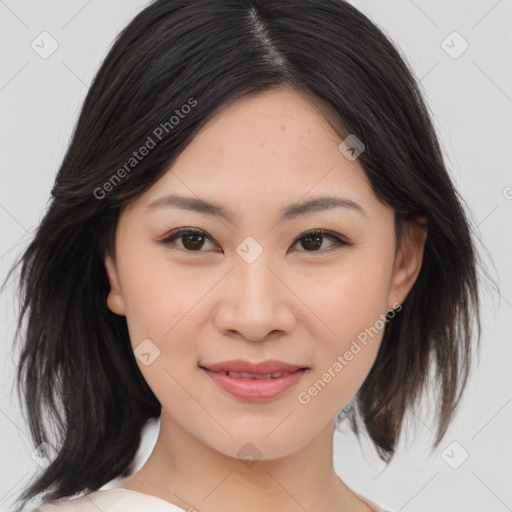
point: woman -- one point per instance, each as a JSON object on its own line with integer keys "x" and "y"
{"x": 252, "y": 236}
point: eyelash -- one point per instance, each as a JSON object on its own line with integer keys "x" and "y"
{"x": 338, "y": 241}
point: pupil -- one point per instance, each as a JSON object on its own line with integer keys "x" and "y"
{"x": 317, "y": 238}
{"x": 195, "y": 244}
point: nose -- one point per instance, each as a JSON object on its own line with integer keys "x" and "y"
{"x": 256, "y": 303}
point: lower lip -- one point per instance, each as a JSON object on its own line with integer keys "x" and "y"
{"x": 255, "y": 389}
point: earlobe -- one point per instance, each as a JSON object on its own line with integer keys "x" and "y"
{"x": 408, "y": 260}
{"x": 115, "y": 300}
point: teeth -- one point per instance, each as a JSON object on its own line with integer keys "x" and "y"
{"x": 253, "y": 376}
{"x": 238, "y": 375}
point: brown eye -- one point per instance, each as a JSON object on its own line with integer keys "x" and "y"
{"x": 195, "y": 240}
{"x": 191, "y": 240}
{"x": 313, "y": 241}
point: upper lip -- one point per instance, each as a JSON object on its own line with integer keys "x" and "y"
{"x": 262, "y": 368}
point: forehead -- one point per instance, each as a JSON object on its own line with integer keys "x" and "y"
{"x": 271, "y": 148}
{"x": 268, "y": 119}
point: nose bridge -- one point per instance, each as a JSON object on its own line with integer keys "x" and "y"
{"x": 255, "y": 302}
{"x": 255, "y": 285}
{"x": 252, "y": 268}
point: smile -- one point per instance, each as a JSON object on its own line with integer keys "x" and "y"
{"x": 238, "y": 375}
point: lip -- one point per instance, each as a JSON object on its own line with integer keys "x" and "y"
{"x": 240, "y": 366}
{"x": 255, "y": 389}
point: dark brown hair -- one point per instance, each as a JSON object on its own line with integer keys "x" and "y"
{"x": 77, "y": 373}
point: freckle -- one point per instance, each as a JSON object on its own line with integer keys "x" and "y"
{"x": 283, "y": 128}
{"x": 261, "y": 144}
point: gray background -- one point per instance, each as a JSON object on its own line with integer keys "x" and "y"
{"x": 470, "y": 97}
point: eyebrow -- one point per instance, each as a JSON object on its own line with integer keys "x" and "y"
{"x": 288, "y": 213}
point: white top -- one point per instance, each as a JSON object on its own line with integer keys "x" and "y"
{"x": 112, "y": 500}
{"x": 126, "y": 500}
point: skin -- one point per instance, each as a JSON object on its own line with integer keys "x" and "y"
{"x": 297, "y": 303}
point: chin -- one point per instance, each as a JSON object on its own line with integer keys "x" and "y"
{"x": 258, "y": 446}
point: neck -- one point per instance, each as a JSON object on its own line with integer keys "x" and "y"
{"x": 192, "y": 475}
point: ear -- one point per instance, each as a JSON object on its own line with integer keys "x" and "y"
{"x": 115, "y": 300}
{"x": 408, "y": 260}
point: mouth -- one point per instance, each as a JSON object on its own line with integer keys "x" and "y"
{"x": 258, "y": 376}
{"x": 254, "y": 382}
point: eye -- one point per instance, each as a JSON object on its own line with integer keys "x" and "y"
{"x": 193, "y": 240}
{"x": 314, "y": 240}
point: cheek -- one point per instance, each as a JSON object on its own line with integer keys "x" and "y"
{"x": 345, "y": 352}
{"x": 351, "y": 305}
{"x": 164, "y": 310}
{"x": 353, "y": 297}
{"x": 159, "y": 296}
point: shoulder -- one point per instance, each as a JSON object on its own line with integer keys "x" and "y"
{"x": 111, "y": 500}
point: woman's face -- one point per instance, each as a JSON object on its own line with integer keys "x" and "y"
{"x": 250, "y": 284}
